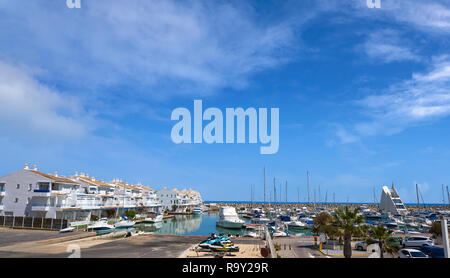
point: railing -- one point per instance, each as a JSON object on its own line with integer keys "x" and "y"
{"x": 42, "y": 190}
{"x": 33, "y": 222}
{"x": 41, "y": 205}
{"x": 269, "y": 244}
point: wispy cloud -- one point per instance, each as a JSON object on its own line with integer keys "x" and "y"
{"x": 387, "y": 46}
{"x": 429, "y": 15}
{"x": 163, "y": 47}
{"x": 423, "y": 98}
{"x": 31, "y": 111}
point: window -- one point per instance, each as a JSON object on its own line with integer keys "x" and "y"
{"x": 16, "y": 200}
{"x": 30, "y": 186}
{"x": 418, "y": 255}
{"x": 18, "y": 186}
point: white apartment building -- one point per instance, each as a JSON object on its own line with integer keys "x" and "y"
{"x": 183, "y": 199}
{"x": 29, "y": 192}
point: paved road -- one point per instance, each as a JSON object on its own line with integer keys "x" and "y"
{"x": 144, "y": 246}
{"x": 297, "y": 247}
{"x": 9, "y": 236}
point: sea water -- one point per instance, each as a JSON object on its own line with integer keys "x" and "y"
{"x": 199, "y": 225}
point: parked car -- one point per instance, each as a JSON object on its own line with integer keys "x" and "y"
{"x": 362, "y": 245}
{"x": 417, "y": 241}
{"x": 433, "y": 251}
{"x": 411, "y": 253}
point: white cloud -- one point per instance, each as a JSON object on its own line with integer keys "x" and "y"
{"x": 430, "y": 15}
{"x": 423, "y": 98}
{"x": 30, "y": 111}
{"x": 177, "y": 46}
{"x": 387, "y": 46}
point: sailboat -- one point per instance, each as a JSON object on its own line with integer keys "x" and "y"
{"x": 125, "y": 222}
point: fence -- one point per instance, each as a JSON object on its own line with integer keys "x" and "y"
{"x": 33, "y": 222}
{"x": 269, "y": 244}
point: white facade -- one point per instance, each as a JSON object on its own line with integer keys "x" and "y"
{"x": 29, "y": 192}
{"x": 390, "y": 201}
{"x": 32, "y": 193}
{"x": 183, "y": 200}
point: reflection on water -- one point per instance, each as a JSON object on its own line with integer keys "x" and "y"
{"x": 300, "y": 232}
{"x": 201, "y": 225}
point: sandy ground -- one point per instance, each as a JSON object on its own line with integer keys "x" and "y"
{"x": 47, "y": 244}
{"x": 245, "y": 251}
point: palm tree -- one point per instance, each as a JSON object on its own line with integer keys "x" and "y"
{"x": 347, "y": 222}
{"x": 383, "y": 235}
{"x": 321, "y": 223}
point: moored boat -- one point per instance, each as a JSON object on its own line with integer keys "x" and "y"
{"x": 228, "y": 218}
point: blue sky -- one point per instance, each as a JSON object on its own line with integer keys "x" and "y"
{"x": 363, "y": 93}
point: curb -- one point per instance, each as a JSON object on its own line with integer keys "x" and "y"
{"x": 363, "y": 254}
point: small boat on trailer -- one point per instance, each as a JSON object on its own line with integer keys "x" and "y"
{"x": 67, "y": 230}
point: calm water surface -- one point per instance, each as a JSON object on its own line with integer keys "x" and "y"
{"x": 199, "y": 225}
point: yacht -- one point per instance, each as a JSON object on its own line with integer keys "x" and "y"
{"x": 228, "y": 218}
{"x": 297, "y": 225}
{"x": 124, "y": 224}
{"x": 156, "y": 219}
{"x": 198, "y": 210}
{"x": 100, "y": 226}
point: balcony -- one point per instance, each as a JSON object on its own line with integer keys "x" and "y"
{"x": 42, "y": 192}
{"x": 40, "y": 207}
{"x": 2, "y": 207}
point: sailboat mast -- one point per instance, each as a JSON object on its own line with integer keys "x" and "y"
{"x": 264, "y": 185}
{"x": 285, "y": 193}
{"x": 320, "y": 196}
{"x": 307, "y": 184}
{"x": 274, "y": 191}
{"x": 251, "y": 196}
{"x": 448, "y": 197}
{"x": 417, "y": 193}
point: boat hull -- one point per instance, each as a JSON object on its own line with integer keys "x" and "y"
{"x": 229, "y": 224}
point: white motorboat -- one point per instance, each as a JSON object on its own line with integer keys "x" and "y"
{"x": 228, "y": 218}
{"x": 297, "y": 225}
{"x": 198, "y": 210}
{"x": 279, "y": 234}
{"x": 251, "y": 234}
{"x": 124, "y": 224}
{"x": 100, "y": 226}
{"x": 156, "y": 219}
{"x": 260, "y": 220}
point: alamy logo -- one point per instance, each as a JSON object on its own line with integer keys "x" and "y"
{"x": 374, "y": 4}
{"x": 213, "y": 131}
{"x": 73, "y": 4}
